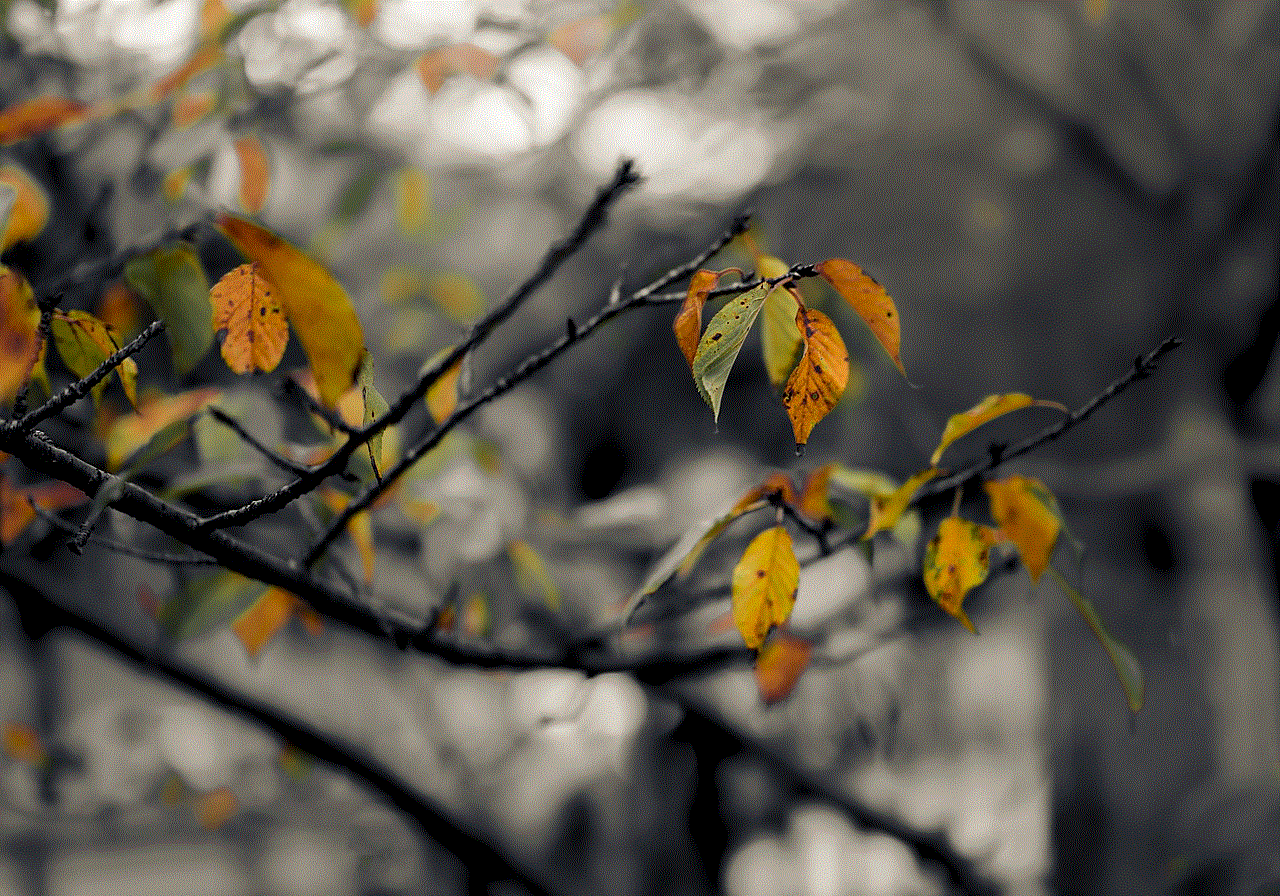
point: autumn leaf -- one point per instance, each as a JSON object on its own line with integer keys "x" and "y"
{"x": 442, "y": 396}
{"x": 318, "y": 308}
{"x": 119, "y": 308}
{"x": 359, "y": 527}
{"x": 885, "y": 509}
{"x": 30, "y": 210}
{"x": 413, "y": 200}
{"x": 249, "y": 319}
{"x": 780, "y": 664}
{"x": 174, "y": 185}
{"x": 1026, "y": 513}
{"x": 84, "y": 343}
{"x": 780, "y": 339}
{"x": 1122, "y": 659}
{"x": 255, "y": 173}
{"x": 16, "y": 512}
{"x": 814, "y": 500}
{"x": 819, "y": 378}
{"x": 19, "y": 322}
{"x": 215, "y": 809}
{"x": 955, "y": 562}
{"x": 31, "y": 117}
{"x": 869, "y": 300}
{"x": 435, "y": 66}
{"x": 764, "y": 585}
{"x": 258, "y": 624}
{"x": 21, "y": 742}
{"x": 688, "y": 322}
{"x": 985, "y": 411}
{"x": 172, "y": 281}
{"x": 206, "y": 602}
{"x": 192, "y": 107}
{"x": 375, "y": 406}
{"x": 720, "y": 344}
{"x": 201, "y": 60}
{"x": 531, "y": 575}
{"x": 129, "y": 432}
{"x": 456, "y": 295}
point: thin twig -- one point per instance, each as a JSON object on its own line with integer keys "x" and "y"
{"x": 121, "y": 547}
{"x": 291, "y": 466}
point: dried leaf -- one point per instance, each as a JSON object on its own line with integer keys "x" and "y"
{"x": 172, "y": 281}
{"x": 885, "y": 509}
{"x": 1026, "y": 513}
{"x": 84, "y": 343}
{"x": 30, "y": 211}
{"x": 779, "y": 666}
{"x": 257, "y": 625}
{"x": 129, "y": 432}
{"x": 955, "y": 562}
{"x": 819, "y": 378}
{"x": 31, "y": 117}
{"x": 720, "y": 344}
{"x": 249, "y": 319}
{"x": 764, "y": 585}
{"x": 869, "y": 300}
{"x": 688, "y": 322}
{"x": 255, "y": 173}
{"x": 1122, "y": 659}
{"x": 318, "y": 308}
{"x": 19, "y": 322}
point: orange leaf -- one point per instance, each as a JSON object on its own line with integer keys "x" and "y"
{"x": 780, "y": 664}
{"x": 985, "y": 411}
{"x": 362, "y": 11}
{"x": 442, "y": 397}
{"x": 32, "y": 117}
{"x": 23, "y": 744}
{"x": 688, "y": 322}
{"x": 118, "y": 309}
{"x": 1026, "y": 513}
{"x": 955, "y": 562}
{"x": 868, "y": 298}
{"x": 192, "y": 107}
{"x": 255, "y": 173}
{"x": 764, "y": 585}
{"x": 215, "y": 808}
{"x": 318, "y": 308}
{"x": 199, "y": 61}
{"x": 30, "y": 212}
{"x": 815, "y": 496}
{"x": 435, "y": 66}
{"x": 19, "y": 321}
{"x": 129, "y": 432}
{"x": 819, "y": 379}
{"x": 16, "y": 512}
{"x": 885, "y": 509}
{"x": 582, "y": 39}
{"x": 267, "y": 615}
{"x": 248, "y": 320}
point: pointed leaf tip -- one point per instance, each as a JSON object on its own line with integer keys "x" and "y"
{"x": 869, "y": 299}
{"x": 779, "y": 666}
{"x": 720, "y": 344}
{"x": 688, "y": 322}
{"x": 764, "y": 585}
{"x": 820, "y": 377}
{"x": 955, "y": 562}
{"x": 1027, "y": 514}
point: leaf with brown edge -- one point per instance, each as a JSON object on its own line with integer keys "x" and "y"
{"x": 19, "y": 323}
{"x": 955, "y": 562}
{"x": 129, "y": 432}
{"x": 31, "y": 117}
{"x": 985, "y": 411}
{"x": 258, "y": 624}
{"x": 780, "y": 664}
{"x": 819, "y": 378}
{"x": 869, "y": 299}
{"x": 255, "y": 173}
{"x": 30, "y": 210}
{"x": 886, "y": 509}
{"x": 764, "y": 585}
{"x": 84, "y": 343}
{"x": 249, "y": 320}
{"x": 318, "y": 308}
{"x": 688, "y": 322}
{"x": 1026, "y": 513}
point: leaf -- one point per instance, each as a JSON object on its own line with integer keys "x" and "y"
{"x": 1025, "y": 511}
{"x": 532, "y": 577}
{"x": 16, "y": 512}
{"x": 780, "y": 339}
{"x": 318, "y": 308}
{"x": 720, "y": 344}
{"x": 764, "y": 585}
{"x": 255, "y": 173}
{"x": 885, "y": 509}
{"x": 191, "y": 108}
{"x": 375, "y": 406}
{"x": 363, "y": 12}
{"x": 120, "y": 308}
{"x": 215, "y": 809}
{"x": 869, "y": 300}
{"x": 201, "y": 60}
{"x": 819, "y": 378}
{"x": 31, "y": 117}
{"x": 457, "y": 296}
{"x": 988, "y": 409}
{"x": 815, "y": 495}
{"x": 688, "y": 322}
{"x": 955, "y": 562}
{"x": 207, "y": 602}
{"x": 413, "y": 200}
{"x": 434, "y": 66}
{"x": 30, "y": 210}
{"x": 258, "y": 624}
{"x": 129, "y": 432}
{"x": 84, "y": 343}
{"x": 771, "y": 268}
{"x": 359, "y": 527}
{"x": 173, "y": 283}
{"x": 21, "y": 742}
{"x": 1122, "y": 659}
{"x": 779, "y": 666}
{"x": 442, "y": 397}
{"x": 249, "y": 320}
{"x": 19, "y": 339}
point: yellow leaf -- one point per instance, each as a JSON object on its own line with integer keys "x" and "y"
{"x": 688, "y": 322}
{"x": 84, "y": 342}
{"x": 362, "y": 11}
{"x": 455, "y": 295}
{"x": 885, "y": 509}
{"x": 869, "y": 300}
{"x": 318, "y": 308}
{"x": 442, "y": 397}
{"x": 22, "y": 743}
{"x": 257, "y": 625}
{"x": 129, "y": 432}
{"x": 255, "y": 173}
{"x": 19, "y": 322}
{"x": 764, "y": 585}
{"x": 1024, "y": 510}
{"x": 30, "y": 212}
{"x": 819, "y": 379}
{"x": 955, "y": 562}
{"x": 985, "y": 411}
{"x": 249, "y": 320}
{"x": 532, "y": 577}
{"x": 477, "y": 617}
{"x": 771, "y": 268}
{"x": 31, "y": 117}
{"x": 780, "y": 339}
{"x": 413, "y": 200}
{"x": 780, "y": 664}
{"x": 360, "y": 528}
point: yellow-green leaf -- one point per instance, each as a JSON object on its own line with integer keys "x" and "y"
{"x": 130, "y": 432}
{"x": 84, "y": 342}
{"x": 532, "y": 577}
{"x": 819, "y": 378}
{"x": 780, "y": 340}
{"x": 985, "y": 411}
{"x": 885, "y": 509}
{"x": 172, "y": 281}
{"x": 764, "y": 585}
{"x": 955, "y": 562}
{"x": 779, "y": 666}
{"x": 206, "y": 602}
{"x": 374, "y": 407}
{"x": 869, "y": 299}
{"x": 1122, "y": 659}
{"x": 318, "y": 308}
{"x": 1025, "y": 511}
{"x": 688, "y": 322}
{"x": 249, "y": 319}
{"x": 720, "y": 344}
{"x": 29, "y": 212}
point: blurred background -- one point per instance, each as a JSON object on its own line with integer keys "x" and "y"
{"x": 1047, "y": 190}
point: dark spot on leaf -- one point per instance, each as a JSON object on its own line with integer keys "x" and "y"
{"x": 716, "y": 336}
{"x": 221, "y": 334}
{"x": 759, "y": 573}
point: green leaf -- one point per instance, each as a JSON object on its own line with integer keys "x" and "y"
{"x": 84, "y": 342}
{"x": 780, "y": 340}
{"x": 374, "y": 407}
{"x": 1126, "y": 665}
{"x": 172, "y": 281}
{"x": 720, "y": 344}
{"x": 207, "y": 602}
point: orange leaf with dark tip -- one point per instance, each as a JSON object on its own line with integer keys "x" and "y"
{"x": 688, "y": 322}
{"x": 869, "y": 299}
{"x": 31, "y": 117}
{"x": 255, "y": 173}
{"x": 764, "y": 585}
{"x": 955, "y": 562}
{"x": 249, "y": 320}
{"x": 779, "y": 666}
{"x": 819, "y": 378}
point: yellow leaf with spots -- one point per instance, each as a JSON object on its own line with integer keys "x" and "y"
{"x": 249, "y": 320}
{"x": 84, "y": 342}
{"x": 955, "y": 562}
{"x": 869, "y": 299}
{"x": 688, "y": 322}
{"x": 885, "y": 509}
{"x": 30, "y": 211}
{"x": 819, "y": 378}
{"x": 1027, "y": 515}
{"x": 985, "y": 411}
{"x": 779, "y": 666}
{"x": 318, "y": 308}
{"x": 764, "y": 585}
